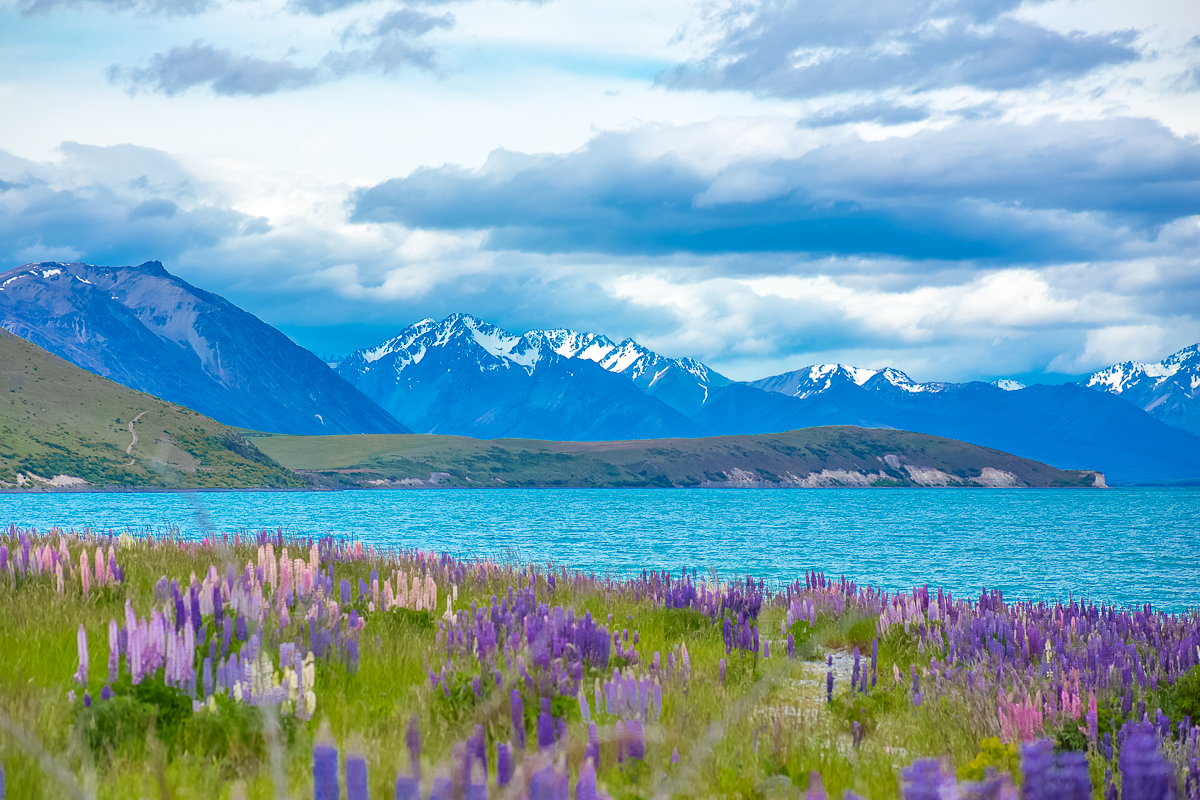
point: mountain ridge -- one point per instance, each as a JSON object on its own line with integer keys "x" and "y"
{"x": 154, "y": 332}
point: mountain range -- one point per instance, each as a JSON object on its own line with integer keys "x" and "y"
{"x": 461, "y": 375}
{"x": 465, "y": 376}
{"x": 156, "y": 333}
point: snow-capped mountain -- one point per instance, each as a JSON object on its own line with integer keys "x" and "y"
{"x": 1168, "y": 390}
{"x": 465, "y": 376}
{"x": 682, "y": 383}
{"x": 818, "y": 378}
{"x": 145, "y": 328}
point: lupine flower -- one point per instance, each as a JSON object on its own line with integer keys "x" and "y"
{"x": 1145, "y": 774}
{"x": 829, "y": 681}
{"x": 585, "y": 786}
{"x": 443, "y": 789}
{"x": 545, "y": 726}
{"x": 619, "y": 734}
{"x": 593, "y": 744}
{"x": 325, "y": 772}
{"x": 675, "y": 755}
{"x": 356, "y": 777}
{"x": 637, "y": 740}
{"x": 923, "y": 780}
{"x": 504, "y": 764}
{"x": 105, "y": 693}
{"x": 517, "y": 710}
{"x": 791, "y": 645}
{"x": 874, "y": 661}
{"x": 412, "y": 738}
{"x": 81, "y": 674}
{"x": 816, "y": 788}
{"x": 721, "y": 670}
{"x": 407, "y": 788}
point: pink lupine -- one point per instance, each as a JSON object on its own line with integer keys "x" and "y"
{"x": 84, "y": 573}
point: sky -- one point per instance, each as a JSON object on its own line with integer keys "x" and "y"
{"x": 961, "y": 189}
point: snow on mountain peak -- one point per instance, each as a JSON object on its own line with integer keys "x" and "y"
{"x": 1008, "y": 385}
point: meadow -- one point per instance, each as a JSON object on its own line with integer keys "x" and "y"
{"x": 265, "y": 666}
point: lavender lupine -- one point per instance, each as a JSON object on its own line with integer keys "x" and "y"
{"x": 81, "y": 674}
{"x": 791, "y": 645}
{"x": 619, "y": 735}
{"x": 829, "y": 681}
{"x": 412, "y": 738}
{"x": 593, "y": 744}
{"x": 585, "y": 786}
{"x": 816, "y": 787}
{"x": 517, "y": 710}
{"x": 637, "y": 740}
{"x": 874, "y": 661}
{"x": 674, "y": 755}
{"x": 356, "y": 777}
{"x": 922, "y": 780}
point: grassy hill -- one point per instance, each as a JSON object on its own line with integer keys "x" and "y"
{"x": 827, "y": 456}
{"x": 59, "y": 422}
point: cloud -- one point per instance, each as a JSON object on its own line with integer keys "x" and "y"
{"x": 878, "y": 111}
{"x": 169, "y": 8}
{"x": 1044, "y": 192}
{"x": 108, "y": 204}
{"x": 226, "y": 73}
{"x": 787, "y": 48}
{"x": 387, "y": 46}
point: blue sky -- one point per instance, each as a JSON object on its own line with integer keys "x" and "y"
{"x": 958, "y": 188}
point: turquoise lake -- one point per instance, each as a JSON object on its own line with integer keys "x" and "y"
{"x": 1122, "y": 546}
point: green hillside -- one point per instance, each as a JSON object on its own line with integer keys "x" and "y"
{"x": 59, "y": 422}
{"x": 830, "y": 456}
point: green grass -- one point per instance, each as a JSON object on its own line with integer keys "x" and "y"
{"x": 57, "y": 419}
{"x": 763, "y": 460}
{"x": 767, "y": 725}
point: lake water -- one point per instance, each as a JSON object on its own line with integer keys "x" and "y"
{"x": 1123, "y": 546}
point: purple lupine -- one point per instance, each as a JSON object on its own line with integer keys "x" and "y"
{"x": 619, "y": 735}
{"x": 816, "y": 787}
{"x": 407, "y": 788}
{"x": 637, "y": 740}
{"x": 584, "y": 711}
{"x": 585, "y": 787}
{"x": 1145, "y": 774}
{"x": 791, "y": 645}
{"x": 916, "y": 686}
{"x": 443, "y": 789}
{"x": 412, "y": 738}
{"x": 325, "y": 772}
{"x": 854, "y": 673}
{"x": 105, "y": 693}
{"x": 208, "y": 678}
{"x": 922, "y": 780}
{"x": 356, "y": 777}
{"x": 87, "y": 700}
{"x": 517, "y": 709}
{"x": 545, "y": 726}
{"x": 675, "y": 755}
{"x": 504, "y": 764}
{"x": 721, "y": 670}
{"x": 593, "y": 744}
{"x": 829, "y": 682}
{"x": 218, "y": 606}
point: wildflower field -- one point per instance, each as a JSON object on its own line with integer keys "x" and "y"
{"x": 265, "y": 666}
